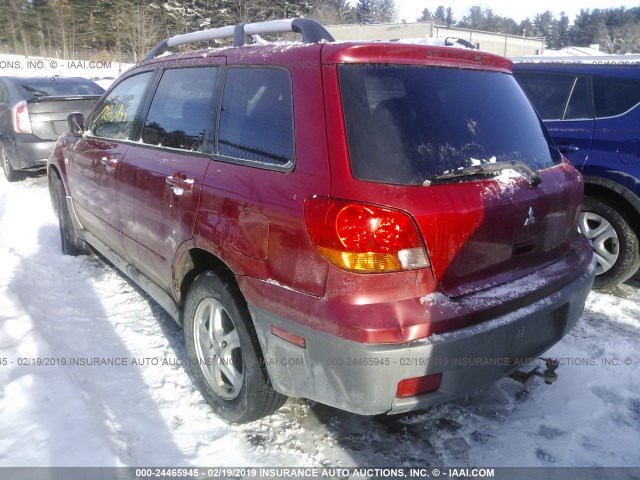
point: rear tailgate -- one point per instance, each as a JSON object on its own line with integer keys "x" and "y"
{"x": 484, "y": 233}
{"x": 414, "y": 137}
{"x": 48, "y": 115}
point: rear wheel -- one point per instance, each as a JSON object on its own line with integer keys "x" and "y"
{"x": 71, "y": 243}
{"x": 10, "y": 174}
{"x": 615, "y": 243}
{"x": 224, "y": 351}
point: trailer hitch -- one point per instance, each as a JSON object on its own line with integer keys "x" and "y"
{"x": 549, "y": 375}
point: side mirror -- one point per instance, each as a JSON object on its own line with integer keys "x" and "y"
{"x": 75, "y": 123}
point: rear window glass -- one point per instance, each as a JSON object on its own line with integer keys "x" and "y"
{"x": 614, "y": 96}
{"x": 58, "y": 87}
{"x": 181, "y": 109}
{"x": 256, "y": 121}
{"x": 406, "y": 125}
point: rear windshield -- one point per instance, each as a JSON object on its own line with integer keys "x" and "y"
{"x": 408, "y": 124}
{"x": 58, "y": 87}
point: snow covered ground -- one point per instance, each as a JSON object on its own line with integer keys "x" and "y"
{"x": 54, "y": 307}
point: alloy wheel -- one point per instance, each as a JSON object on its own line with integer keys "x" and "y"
{"x": 218, "y": 349}
{"x": 603, "y": 237}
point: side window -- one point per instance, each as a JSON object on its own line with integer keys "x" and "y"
{"x": 115, "y": 116}
{"x": 256, "y": 121}
{"x": 578, "y": 106}
{"x": 614, "y": 96}
{"x": 181, "y": 109}
{"x": 548, "y": 93}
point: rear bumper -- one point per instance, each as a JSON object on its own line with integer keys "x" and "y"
{"x": 29, "y": 152}
{"x": 363, "y": 378}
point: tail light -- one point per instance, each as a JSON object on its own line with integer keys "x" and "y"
{"x": 364, "y": 238}
{"x": 20, "y": 118}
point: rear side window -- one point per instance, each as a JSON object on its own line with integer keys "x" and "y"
{"x": 406, "y": 125}
{"x": 549, "y": 94}
{"x": 181, "y": 108}
{"x": 578, "y": 106}
{"x": 115, "y": 116}
{"x": 256, "y": 121}
{"x": 614, "y": 96}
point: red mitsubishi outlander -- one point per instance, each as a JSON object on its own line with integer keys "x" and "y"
{"x": 379, "y": 227}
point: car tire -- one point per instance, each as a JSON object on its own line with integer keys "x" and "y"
{"x": 10, "y": 174}
{"x": 224, "y": 352}
{"x": 71, "y": 243}
{"x": 615, "y": 243}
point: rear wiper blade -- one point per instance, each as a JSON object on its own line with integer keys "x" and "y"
{"x": 492, "y": 168}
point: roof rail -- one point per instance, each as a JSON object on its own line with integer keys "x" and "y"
{"x": 311, "y": 31}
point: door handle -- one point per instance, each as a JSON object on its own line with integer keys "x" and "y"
{"x": 180, "y": 184}
{"x": 109, "y": 162}
{"x": 568, "y": 148}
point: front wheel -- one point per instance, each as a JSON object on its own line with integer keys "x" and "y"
{"x": 615, "y": 243}
{"x": 224, "y": 352}
{"x": 71, "y": 243}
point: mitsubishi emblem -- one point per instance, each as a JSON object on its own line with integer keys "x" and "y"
{"x": 531, "y": 219}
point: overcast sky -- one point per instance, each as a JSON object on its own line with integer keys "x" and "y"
{"x": 410, "y": 10}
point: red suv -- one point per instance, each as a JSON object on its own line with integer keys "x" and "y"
{"x": 378, "y": 227}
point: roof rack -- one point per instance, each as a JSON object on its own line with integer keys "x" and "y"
{"x": 311, "y": 31}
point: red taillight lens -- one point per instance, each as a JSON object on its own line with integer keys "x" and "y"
{"x": 412, "y": 387}
{"x": 20, "y": 117}
{"x": 364, "y": 238}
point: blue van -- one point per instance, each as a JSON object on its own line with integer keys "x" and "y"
{"x": 592, "y": 111}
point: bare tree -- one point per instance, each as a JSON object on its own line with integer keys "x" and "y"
{"x": 621, "y": 40}
{"x": 10, "y": 26}
{"x": 141, "y": 26}
{"x": 63, "y": 14}
{"x": 333, "y": 12}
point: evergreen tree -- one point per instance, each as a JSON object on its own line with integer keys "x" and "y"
{"x": 474, "y": 19}
{"x": 376, "y": 11}
{"x": 487, "y": 20}
{"x": 441, "y": 16}
{"x": 449, "y": 19}
{"x": 426, "y": 16}
{"x": 543, "y": 25}
{"x": 508, "y": 26}
{"x": 561, "y": 34}
{"x": 387, "y": 11}
{"x": 587, "y": 27}
{"x": 364, "y": 11}
{"x": 125, "y": 29}
{"x": 491, "y": 22}
{"x": 526, "y": 28}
